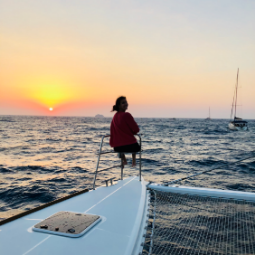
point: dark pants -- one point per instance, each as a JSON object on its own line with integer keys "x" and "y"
{"x": 135, "y": 147}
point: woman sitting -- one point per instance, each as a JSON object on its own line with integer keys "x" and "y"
{"x": 123, "y": 129}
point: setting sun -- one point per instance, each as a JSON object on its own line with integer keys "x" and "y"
{"x": 51, "y": 109}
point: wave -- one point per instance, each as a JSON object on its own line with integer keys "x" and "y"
{"x": 5, "y": 170}
{"x": 153, "y": 150}
{"x": 79, "y": 169}
{"x": 206, "y": 162}
{"x": 34, "y": 168}
{"x": 53, "y": 140}
{"x": 6, "y": 120}
{"x": 57, "y": 179}
{"x": 239, "y": 186}
{"x": 15, "y": 196}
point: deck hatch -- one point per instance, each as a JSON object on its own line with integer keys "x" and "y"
{"x": 68, "y": 224}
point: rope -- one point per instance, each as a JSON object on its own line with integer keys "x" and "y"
{"x": 206, "y": 171}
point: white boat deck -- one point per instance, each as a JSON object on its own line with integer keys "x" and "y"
{"x": 121, "y": 207}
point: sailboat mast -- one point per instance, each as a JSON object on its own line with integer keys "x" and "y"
{"x": 236, "y": 90}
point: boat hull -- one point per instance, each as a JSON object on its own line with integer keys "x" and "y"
{"x": 231, "y": 126}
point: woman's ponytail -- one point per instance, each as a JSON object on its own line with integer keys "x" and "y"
{"x": 115, "y": 108}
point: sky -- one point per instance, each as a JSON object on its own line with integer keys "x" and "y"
{"x": 171, "y": 59}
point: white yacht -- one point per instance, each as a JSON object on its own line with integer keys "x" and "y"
{"x": 132, "y": 217}
{"x": 237, "y": 123}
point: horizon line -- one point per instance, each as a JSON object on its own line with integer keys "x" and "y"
{"x": 55, "y": 116}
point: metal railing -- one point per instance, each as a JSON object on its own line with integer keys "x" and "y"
{"x": 121, "y": 165}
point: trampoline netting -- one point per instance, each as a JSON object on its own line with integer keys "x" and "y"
{"x": 188, "y": 224}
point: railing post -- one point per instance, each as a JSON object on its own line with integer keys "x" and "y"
{"x": 140, "y": 167}
{"x": 94, "y": 184}
{"x": 140, "y": 160}
{"x": 121, "y": 166}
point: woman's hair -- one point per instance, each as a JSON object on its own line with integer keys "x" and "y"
{"x": 117, "y": 104}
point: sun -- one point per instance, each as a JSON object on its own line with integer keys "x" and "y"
{"x": 51, "y": 109}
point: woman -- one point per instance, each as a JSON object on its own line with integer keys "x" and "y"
{"x": 123, "y": 129}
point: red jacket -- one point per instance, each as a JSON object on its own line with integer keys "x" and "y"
{"x": 123, "y": 129}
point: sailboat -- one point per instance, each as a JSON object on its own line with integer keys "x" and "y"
{"x": 237, "y": 123}
{"x": 209, "y": 118}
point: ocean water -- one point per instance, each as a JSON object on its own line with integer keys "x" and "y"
{"x": 45, "y": 158}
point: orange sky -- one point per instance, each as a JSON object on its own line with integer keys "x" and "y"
{"x": 169, "y": 59}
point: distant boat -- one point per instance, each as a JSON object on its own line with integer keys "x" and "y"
{"x": 209, "y": 118}
{"x": 99, "y": 116}
{"x": 237, "y": 123}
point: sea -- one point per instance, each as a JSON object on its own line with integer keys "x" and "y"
{"x": 45, "y": 158}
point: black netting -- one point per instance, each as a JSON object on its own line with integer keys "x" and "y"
{"x": 185, "y": 224}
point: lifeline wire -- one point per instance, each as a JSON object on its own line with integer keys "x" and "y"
{"x": 206, "y": 171}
